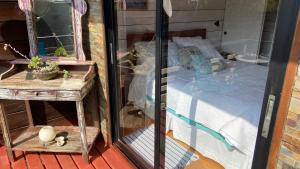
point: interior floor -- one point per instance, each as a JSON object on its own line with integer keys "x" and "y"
{"x": 133, "y": 119}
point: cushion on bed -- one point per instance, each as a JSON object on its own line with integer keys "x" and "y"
{"x": 185, "y": 55}
{"x": 204, "y": 45}
{"x": 191, "y": 57}
{"x": 201, "y": 65}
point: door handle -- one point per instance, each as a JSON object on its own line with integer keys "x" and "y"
{"x": 268, "y": 116}
{"x": 111, "y": 53}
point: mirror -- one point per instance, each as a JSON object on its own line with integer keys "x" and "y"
{"x": 54, "y": 28}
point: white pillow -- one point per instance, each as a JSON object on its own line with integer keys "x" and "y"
{"x": 173, "y": 58}
{"x": 202, "y": 44}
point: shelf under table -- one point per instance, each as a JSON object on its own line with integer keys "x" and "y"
{"x": 29, "y": 140}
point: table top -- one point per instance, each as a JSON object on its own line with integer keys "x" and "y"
{"x": 19, "y": 81}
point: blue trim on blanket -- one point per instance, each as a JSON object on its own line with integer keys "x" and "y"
{"x": 198, "y": 126}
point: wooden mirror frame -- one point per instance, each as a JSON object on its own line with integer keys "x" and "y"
{"x": 79, "y": 8}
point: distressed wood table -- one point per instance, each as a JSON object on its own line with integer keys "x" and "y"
{"x": 15, "y": 85}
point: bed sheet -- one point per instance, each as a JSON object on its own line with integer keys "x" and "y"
{"x": 228, "y": 102}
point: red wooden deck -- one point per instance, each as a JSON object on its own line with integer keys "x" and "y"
{"x": 100, "y": 157}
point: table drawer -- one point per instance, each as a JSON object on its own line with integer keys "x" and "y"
{"x": 29, "y": 93}
{"x": 11, "y": 94}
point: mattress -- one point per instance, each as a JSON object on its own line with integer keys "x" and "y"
{"x": 228, "y": 102}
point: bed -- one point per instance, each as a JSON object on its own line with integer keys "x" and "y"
{"x": 201, "y": 112}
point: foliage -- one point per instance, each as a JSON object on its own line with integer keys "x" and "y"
{"x": 61, "y": 51}
{"x": 49, "y": 67}
{"x": 37, "y": 64}
{"x": 67, "y": 74}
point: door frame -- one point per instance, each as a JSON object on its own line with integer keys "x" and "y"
{"x": 111, "y": 39}
{"x": 284, "y": 35}
{"x": 286, "y": 94}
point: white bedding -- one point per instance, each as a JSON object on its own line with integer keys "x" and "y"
{"x": 209, "y": 146}
{"x": 228, "y": 102}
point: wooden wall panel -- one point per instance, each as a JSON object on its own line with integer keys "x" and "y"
{"x": 192, "y": 5}
{"x": 12, "y": 29}
{"x": 10, "y": 11}
{"x": 187, "y": 15}
{"x": 16, "y": 114}
{"x": 44, "y": 112}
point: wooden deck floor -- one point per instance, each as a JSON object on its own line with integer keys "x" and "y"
{"x": 100, "y": 157}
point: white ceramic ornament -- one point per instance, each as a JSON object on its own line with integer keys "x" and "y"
{"x": 60, "y": 141}
{"x": 47, "y": 134}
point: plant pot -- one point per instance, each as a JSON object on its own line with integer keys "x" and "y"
{"x": 45, "y": 75}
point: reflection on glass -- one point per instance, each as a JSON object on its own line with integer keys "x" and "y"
{"x": 218, "y": 54}
{"x": 54, "y": 27}
{"x": 136, "y": 65}
{"x": 214, "y": 99}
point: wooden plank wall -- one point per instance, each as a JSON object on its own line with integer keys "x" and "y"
{"x": 9, "y": 10}
{"x": 13, "y": 32}
{"x": 43, "y": 113}
{"x": 187, "y": 15}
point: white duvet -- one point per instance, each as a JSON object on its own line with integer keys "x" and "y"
{"x": 228, "y": 102}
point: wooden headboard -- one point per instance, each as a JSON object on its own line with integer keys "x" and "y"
{"x": 136, "y": 37}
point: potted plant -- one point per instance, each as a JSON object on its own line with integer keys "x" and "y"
{"x": 41, "y": 68}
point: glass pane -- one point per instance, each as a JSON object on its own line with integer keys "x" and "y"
{"x": 54, "y": 27}
{"x": 136, "y": 69}
{"x": 218, "y": 54}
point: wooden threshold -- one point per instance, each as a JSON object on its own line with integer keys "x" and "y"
{"x": 29, "y": 141}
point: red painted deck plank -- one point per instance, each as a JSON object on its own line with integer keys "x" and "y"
{"x": 20, "y": 162}
{"x": 65, "y": 160}
{"x": 98, "y": 161}
{"x": 101, "y": 158}
{"x": 33, "y": 161}
{"x": 80, "y": 162}
{"x": 49, "y": 161}
{"x": 115, "y": 159}
{"x": 4, "y": 162}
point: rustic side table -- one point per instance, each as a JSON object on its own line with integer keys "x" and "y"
{"x": 14, "y": 85}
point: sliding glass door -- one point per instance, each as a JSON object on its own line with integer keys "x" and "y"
{"x": 221, "y": 51}
{"x": 196, "y": 84}
{"x": 133, "y": 63}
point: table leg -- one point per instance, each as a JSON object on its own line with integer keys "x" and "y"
{"x": 6, "y": 134}
{"x": 29, "y": 113}
{"x": 82, "y": 127}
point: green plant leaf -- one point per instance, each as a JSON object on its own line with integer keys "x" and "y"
{"x": 34, "y": 62}
{"x": 61, "y": 51}
{"x": 67, "y": 74}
